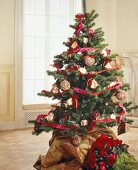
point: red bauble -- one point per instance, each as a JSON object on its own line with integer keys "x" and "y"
{"x": 120, "y": 95}
{"x": 89, "y": 60}
{"x": 76, "y": 140}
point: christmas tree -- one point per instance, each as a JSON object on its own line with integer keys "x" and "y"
{"x": 90, "y": 94}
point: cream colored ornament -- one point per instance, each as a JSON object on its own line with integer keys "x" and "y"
{"x": 104, "y": 52}
{"x": 112, "y": 84}
{"x": 65, "y": 85}
{"x": 84, "y": 122}
{"x": 85, "y": 40}
{"x": 50, "y": 117}
{"x": 94, "y": 84}
{"x": 69, "y": 102}
{"x": 82, "y": 70}
{"x": 112, "y": 116}
{"x": 108, "y": 66}
{"x": 74, "y": 45}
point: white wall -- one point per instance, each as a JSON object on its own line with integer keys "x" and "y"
{"x": 127, "y": 26}
{"x": 119, "y": 19}
{"x": 107, "y": 19}
{"x": 7, "y": 115}
{"x": 7, "y": 32}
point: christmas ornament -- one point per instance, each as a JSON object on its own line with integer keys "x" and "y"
{"x": 120, "y": 95}
{"x": 89, "y": 60}
{"x": 50, "y": 117}
{"x": 69, "y": 102}
{"x": 85, "y": 40}
{"x": 112, "y": 84}
{"x": 108, "y": 66}
{"x": 76, "y": 140}
{"x": 112, "y": 116}
{"x": 65, "y": 85}
{"x": 55, "y": 89}
{"x": 82, "y": 70}
{"x": 74, "y": 45}
{"x": 105, "y": 52}
{"x": 92, "y": 83}
{"x": 84, "y": 122}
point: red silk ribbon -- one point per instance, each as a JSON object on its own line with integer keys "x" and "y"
{"x": 119, "y": 118}
{"x": 106, "y": 120}
{"x": 59, "y": 126}
{"x": 78, "y": 28}
{"x": 81, "y": 91}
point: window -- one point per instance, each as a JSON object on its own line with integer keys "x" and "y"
{"x": 46, "y": 26}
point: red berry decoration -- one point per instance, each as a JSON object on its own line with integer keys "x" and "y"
{"x": 120, "y": 95}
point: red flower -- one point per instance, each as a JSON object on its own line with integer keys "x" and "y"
{"x": 111, "y": 159}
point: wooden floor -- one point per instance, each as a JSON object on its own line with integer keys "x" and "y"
{"x": 19, "y": 149}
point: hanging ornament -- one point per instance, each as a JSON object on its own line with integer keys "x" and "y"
{"x": 105, "y": 52}
{"x": 108, "y": 66}
{"x": 69, "y": 102}
{"x": 76, "y": 140}
{"x": 89, "y": 60}
{"x": 74, "y": 45}
{"x": 85, "y": 40}
{"x": 120, "y": 95}
{"x": 114, "y": 64}
{"x": 65, "y": 85}
{"x": 84, "y": 122}
{"x": 92, "y": 83}
{"x": 112, "y": 116}
{"x": 55, "y": 89}
{"x": 82, "y": 70}
{"x": 50, "y": 117}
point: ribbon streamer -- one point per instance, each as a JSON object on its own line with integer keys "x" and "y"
{"x": 59, "y": 126}
{"x": 106, "y": 120}
{"x": 81, "y": 91}
{"x": 122, "y": 113}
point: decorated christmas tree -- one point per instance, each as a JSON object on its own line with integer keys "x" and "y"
{"x": 91, "y": 99}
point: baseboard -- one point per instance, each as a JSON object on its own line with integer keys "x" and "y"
{"x": 7, "y": 125}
